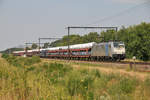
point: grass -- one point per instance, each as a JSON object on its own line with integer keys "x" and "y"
{"x": 31, "y": 79}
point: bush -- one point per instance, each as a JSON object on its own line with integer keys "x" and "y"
{"x": 96, "y": 73}
{"x": 127, "y": 85}
{"x": 36, "y": 59}
{"x": 73, "y": 84}
{"x": 55, "y": 71}
{"x": 80, "y": 84}
{"x": 146, "y": 85}
{"x": 5, "y": 55}
{"x": 21, "y": 61}
{"x": 147, "y": 82}
{"x": 31, "y": 61}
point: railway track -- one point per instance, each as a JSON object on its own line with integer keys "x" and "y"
{"x": 138, "y": 66}
{"x": 137, "y": 63}
{"x": 116, "y": 62}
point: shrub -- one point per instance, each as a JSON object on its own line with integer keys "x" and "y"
{"x": 147, "y": 82}
{"x": 127, "y": 85}
{"x": 96, "y": 73}
{"x": 73, "y": 85}
{"x": 31, "y": 61}
{"x": 4, "y": 75}
{"x": 36, "y": 59}
{"x": 30, "y": 69}
{"x": 146, "y": 85}
{"x": 55, "y": 71}
{"x": 81, "y": 84}
{"x": 5, "y": 55}
{"x": 84, "y": 71}
{"x": 90, "y": 96}
{"x": 21, "y": 61}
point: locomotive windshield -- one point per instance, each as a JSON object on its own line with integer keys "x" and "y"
{"x": 118, "y": 44}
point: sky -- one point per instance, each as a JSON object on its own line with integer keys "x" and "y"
{"x": 24, "y": 21}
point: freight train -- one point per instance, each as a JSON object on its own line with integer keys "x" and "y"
{"x": 89, "y": 51}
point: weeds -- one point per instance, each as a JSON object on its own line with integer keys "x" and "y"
{"x": 55, "y": 71}
{"x": 23, "y": 79}
{"x": 21, "y": 61}
{"x": 127, "y": 85}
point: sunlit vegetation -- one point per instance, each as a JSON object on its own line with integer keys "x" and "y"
{"x": 31, "y": 79}
{"x": 136, "y": 39}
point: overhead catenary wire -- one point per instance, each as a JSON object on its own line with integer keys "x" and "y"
{"x": 118, "y": 14}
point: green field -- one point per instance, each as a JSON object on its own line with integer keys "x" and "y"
{"x": 36, "y": 79}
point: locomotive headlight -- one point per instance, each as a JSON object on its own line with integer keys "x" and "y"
{"x": 121, "y": 46}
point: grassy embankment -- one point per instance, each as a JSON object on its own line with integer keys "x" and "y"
{"x": 33, "y": 79}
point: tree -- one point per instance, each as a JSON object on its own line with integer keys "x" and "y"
{"x": 28, "y": 48}
{"x": 91, "y": 37}
{"x": 46, "y": 45}
{"x": 34, "y": 46}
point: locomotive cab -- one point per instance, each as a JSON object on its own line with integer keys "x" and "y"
{"x": 118, "y": 50}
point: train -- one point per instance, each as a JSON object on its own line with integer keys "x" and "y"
{"x": 112, "y": 50}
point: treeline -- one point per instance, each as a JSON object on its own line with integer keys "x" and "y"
{"x": 136, "y": 39}
{"x": 10, "y": 50}
{"x": 77, "y": 39}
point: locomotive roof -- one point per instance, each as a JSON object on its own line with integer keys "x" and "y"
{"x": 18, "y": 51}
{"x": 34, "y": 50}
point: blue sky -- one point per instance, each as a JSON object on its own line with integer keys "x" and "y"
{"x": 26, "y": 20}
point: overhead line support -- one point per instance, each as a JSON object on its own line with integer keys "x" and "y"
{"x": 78, "y": 27}
{"x": 45, "y": 39}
